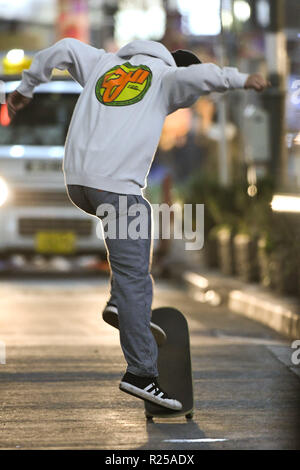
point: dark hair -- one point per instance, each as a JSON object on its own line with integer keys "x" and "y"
{"x": 185, "y": 58}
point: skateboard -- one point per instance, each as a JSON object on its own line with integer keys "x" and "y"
{"x": 174, "y": 364}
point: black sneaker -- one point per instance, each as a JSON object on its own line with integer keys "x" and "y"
{"x": 147, "y": 388}
{"x": 110, "y": 315}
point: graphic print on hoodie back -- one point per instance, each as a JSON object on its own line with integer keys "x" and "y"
{"x": 118, "y": 119}
{"x": 123, "y": 85}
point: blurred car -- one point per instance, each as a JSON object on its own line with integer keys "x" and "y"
{"x": 36, "y": 215}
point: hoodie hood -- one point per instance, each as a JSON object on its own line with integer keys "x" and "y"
{"x": 152, "y": 48}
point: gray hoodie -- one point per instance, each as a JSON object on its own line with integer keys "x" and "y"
{"x": 117, "y": 121}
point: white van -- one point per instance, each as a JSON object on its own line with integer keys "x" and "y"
{"x": 36, "y": 215}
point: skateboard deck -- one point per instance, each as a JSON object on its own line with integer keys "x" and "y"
{"x": 174, "y": 364}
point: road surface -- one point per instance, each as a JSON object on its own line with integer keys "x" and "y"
{"x": 59, "y": 386}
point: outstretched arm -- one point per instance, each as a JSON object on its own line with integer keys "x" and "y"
{"x": 67, "y": 54}
{"x": 182, "y": 86}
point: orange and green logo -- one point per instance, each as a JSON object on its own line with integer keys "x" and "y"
{"x": 123, "y": 85}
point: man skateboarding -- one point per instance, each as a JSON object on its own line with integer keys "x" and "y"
{"x": 111, "y": 142}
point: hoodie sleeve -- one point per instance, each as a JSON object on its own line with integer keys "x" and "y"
{"x": 67, "y": 54}
{"x": 182, "y": 86}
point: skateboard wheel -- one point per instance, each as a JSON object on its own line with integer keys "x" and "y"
{"x": 189, "y": 416}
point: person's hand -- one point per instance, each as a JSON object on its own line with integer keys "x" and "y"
{"x": 257, "y": 82}
{"x": 15, "y": 102}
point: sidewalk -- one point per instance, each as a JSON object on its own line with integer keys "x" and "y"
{"x": 282, "y": 314}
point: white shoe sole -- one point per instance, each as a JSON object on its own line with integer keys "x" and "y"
{"x": 140, "y": 393}
{"x": 110, "y": 316}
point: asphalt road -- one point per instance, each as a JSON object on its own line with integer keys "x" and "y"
{"x": 59, "y": 386}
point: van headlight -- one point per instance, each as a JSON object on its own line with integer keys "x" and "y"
{"x": 3, "y": 191}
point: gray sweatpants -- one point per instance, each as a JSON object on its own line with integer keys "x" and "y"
{"x": 131, "y": 281}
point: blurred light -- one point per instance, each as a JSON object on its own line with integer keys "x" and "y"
{"x": 263, "y": 12}
{"x": 249, "y": 110}
{"x": 56, "y": 151}
{"x": 133, "y": 22}
{"x": 15, "y": 56}
{"x": 17, "y": 151}
{"x": 227, "y": 19}
{"x": 289, "y": 139}
{"x": 213, "y": 298}
{"x": 3, "y": 191}
{"x": 281, "y": 203}
{"x": 18, "y": 261}
{"x": 251, "y": 175}
{"x": 196, "y": 279}
{"x": 297, "y": 139}
{"x": 252, "y": 190}
{"x": 4, "y": 117}
{"x": 200, "y": 17}
{"x": 15, "y": 61}
{"x": 242, "y": 10}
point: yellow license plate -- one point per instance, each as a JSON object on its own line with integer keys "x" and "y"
{"x": 55, "y": 242}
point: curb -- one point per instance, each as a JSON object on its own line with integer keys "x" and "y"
{"x": 280, "y": 314}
